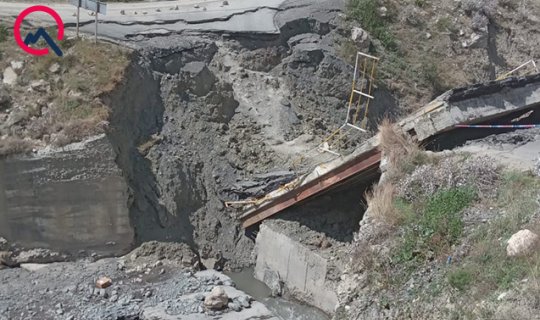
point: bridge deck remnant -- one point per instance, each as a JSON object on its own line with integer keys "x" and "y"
{"x": 468, "y": 105}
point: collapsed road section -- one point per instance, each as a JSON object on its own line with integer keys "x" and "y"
{"x": 287, "y": 256}
{"x": 474, "y": 104}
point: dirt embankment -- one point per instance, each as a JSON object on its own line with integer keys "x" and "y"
{"x": 437, "y": 240}
{"x": 203, "y": 119}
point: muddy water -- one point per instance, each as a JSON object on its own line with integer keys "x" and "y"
{"x": 284, "y": 309}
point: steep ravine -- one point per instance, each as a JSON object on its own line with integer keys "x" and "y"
{"x": 202, "y": 119}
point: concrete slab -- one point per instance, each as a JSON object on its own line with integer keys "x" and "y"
{"x": 301, "y": 269}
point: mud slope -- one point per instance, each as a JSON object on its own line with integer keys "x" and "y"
{"x": 206, "y": 118}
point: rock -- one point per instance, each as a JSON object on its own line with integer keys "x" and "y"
{"x": 217, "y": 299}
{"x": 325, "y": 243}
{"x": 360, "y": 38}
{"x": 478, "y": 41}
{"x": 235, "y": 306}
{"x": 54, "y": 68}
{"x": 39, "y": 256}
{"x": 199, "y": 78}
{"x": 33, "y": 267}
{"x": 10, "y": 77}
{"x": 103, "y": 282}
{"x": 225, "y": 3}
{"x": 383, "y": 11}
{"x": 17, "y": 66}
{"x": 40, "y": 86}
{"x": 522, "y": 243}
{"x": 5, "y": 259}
{"x": 244, "y": 301}
{"x": 4, "y": 244}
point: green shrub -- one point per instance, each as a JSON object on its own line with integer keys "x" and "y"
{"x": 4, "y": 33}
{"x": 437, "y": 226}
{"x": 420, "y": 3}
{"x": 460, "y": 279}
{"x": 365, "y": 12}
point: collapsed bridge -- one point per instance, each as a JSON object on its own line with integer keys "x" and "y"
{"x": 435, "y": 126}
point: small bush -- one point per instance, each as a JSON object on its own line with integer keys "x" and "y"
{"x": 365, "y": 12}
{"x": 438, "y": 225}
{"x": 381, "y": 204}
{"x": 14, "y": 145}
{"x": 395, "y": 145}
{"x": 460, "y": 279}
{"x": 4, "y": 33}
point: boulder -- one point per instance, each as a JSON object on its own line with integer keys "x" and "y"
{"x": 40, "y": 85}
{"x": 6, "y": 259}
{"x": 10, "y": 77}
{"x": 199, "y": 78}
{"x": 360, "y": 38}
{"x": 217, "y": 299}
{"x": 103, "y": 282}
{"x": 522, "y": 243}
{"x": 17, "y": 66}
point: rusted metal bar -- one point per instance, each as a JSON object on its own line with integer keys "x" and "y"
{"x": 369, "y": 160}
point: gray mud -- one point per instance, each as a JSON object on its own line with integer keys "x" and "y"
{"x": 204, "y": 118}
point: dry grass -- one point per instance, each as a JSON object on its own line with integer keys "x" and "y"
{"x": 72, "y": 109}
{"x": 401, "y": 151}
{"x": 381, "y": 204}
{"x": 13, "y": 145}
{"x": 394, "y": 144}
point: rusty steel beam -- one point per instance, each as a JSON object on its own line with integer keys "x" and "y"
{"x": 366, "y": 161}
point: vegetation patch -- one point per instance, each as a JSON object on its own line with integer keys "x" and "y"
{"x": 365, "y": 12}
{"x": 437, "y": 226}
{"x": 487, "y": 263}
{"x": 57, "y": 100}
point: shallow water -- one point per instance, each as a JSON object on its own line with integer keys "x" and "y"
{"x": 283, "y": 308}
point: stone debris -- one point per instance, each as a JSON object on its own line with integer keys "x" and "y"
{"x": 10, "y": 77}
{"x": 360, "y": 38}
{"x": 17, "y": 66}
{"x": 522, "y": 243}
{"x": 54, "y": 68}
{"x": 217, "y": 299}
{"x": 38, "y": 255}
{"x": 103, "y": 282}
{"x": 40, "y": 85}
{"x": 5, "y": 258}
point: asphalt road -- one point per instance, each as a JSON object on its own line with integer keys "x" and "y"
{"x": 128, "y": 21}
